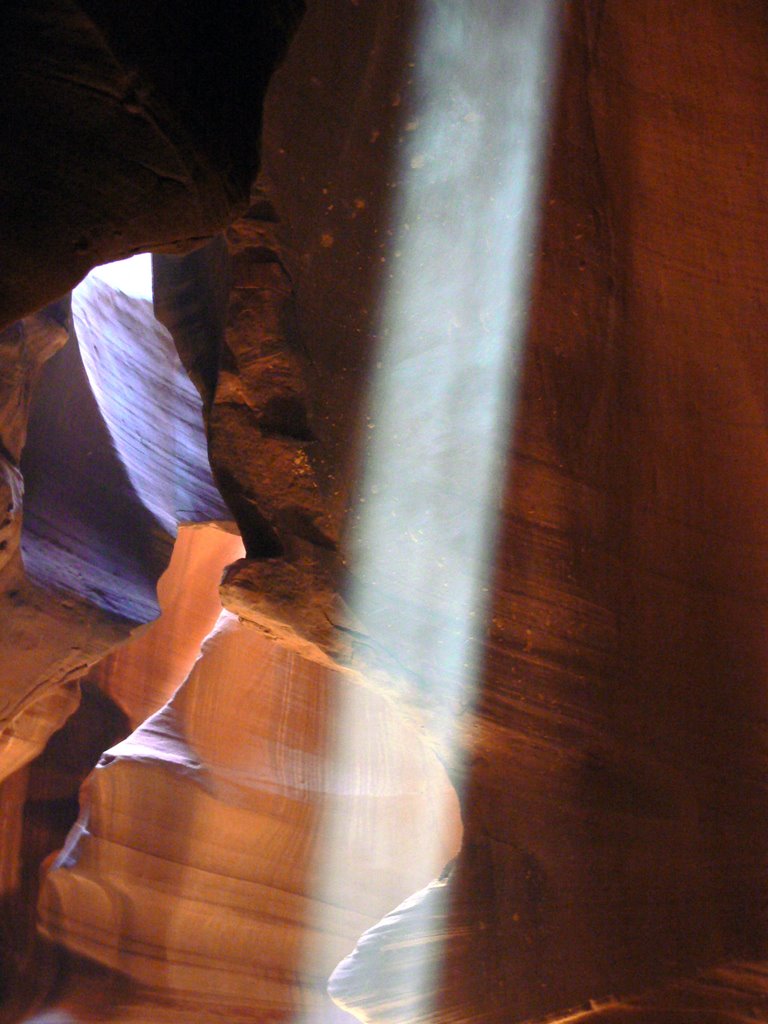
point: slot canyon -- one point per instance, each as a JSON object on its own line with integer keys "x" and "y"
{"x": 383, "y": 607}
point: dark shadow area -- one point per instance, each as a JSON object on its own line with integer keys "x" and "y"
{"x": 128, "y": 127}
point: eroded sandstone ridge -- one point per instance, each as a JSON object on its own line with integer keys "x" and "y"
{"x": 143, "y": 674}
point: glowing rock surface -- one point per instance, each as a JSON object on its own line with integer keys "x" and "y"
{"x": 144, "y": 673}
{"x": 197, "y": 865}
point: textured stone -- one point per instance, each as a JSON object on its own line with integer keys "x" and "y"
{"x": 100, "y": 501}
{"x": 120, "y": 136}
{"x": 143, "y": 674}
{"x": 38, "y": 688}
{"x": 197, "y": 864}
{"x": 251, "y": 371}
{"x": 614, "y": 796}
{"x": 230, "y": 309}
{"x": 615, "y": 804}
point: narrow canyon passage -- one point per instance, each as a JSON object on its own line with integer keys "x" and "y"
{"x": 454, "y": 352}
{"x": 197, "y": 866}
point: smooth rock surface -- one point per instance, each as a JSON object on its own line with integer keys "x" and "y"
{"x": 145, "y": 672}
{"x": 149, "y": 405}
{"x": 197, "y": 864}
{"x": 615, "y": 802}
{"x": 94, "y": 544}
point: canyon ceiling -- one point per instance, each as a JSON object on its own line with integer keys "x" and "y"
{"x": 229, "y": 785}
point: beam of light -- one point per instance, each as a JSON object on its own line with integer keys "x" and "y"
{"x": 451, "y": 329}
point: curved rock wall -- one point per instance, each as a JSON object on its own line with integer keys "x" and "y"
{"x": 94, "y": 544}
{"x": 615, "y": 809}
{"x": 615, "y": 799}
{"x": 197, "y": 863}
{"x": 135, "y": 126}
{"x": 143, "y": 674}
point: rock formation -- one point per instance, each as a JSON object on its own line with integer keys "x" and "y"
{"x": 99, "y": 503}
{"x": 197, "y": 865}
{"x": 611, "y": 769}
{"x": 144, "y": 673}
{"x": 152, "y": 118}
{"x": 38, "y": 690}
